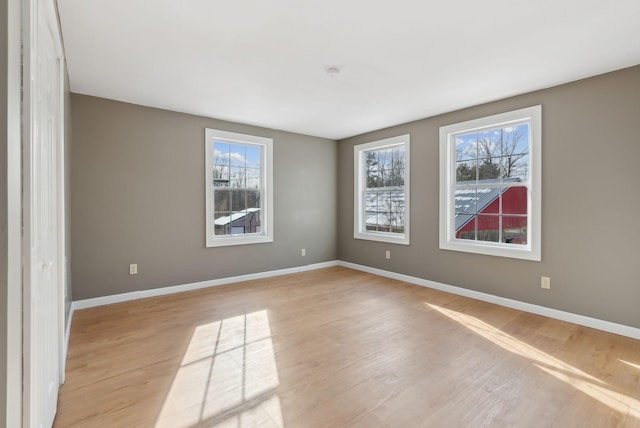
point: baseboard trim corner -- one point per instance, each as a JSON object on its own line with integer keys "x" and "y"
{"x": 598, "y": 324}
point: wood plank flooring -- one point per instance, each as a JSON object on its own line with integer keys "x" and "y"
{"x": 337, "y": 347}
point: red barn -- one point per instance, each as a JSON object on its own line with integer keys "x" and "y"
{"x": 478, "y": 215}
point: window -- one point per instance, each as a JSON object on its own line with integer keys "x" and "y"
{"x": 490, "y": 185}
{"x": 382, "y": 190}
{"x": 239, "y": 189}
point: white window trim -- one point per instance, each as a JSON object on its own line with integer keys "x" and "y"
{"x": 531, "y": 251}
{"x": 359, "y": 229}
{"x": 266, "y": 234}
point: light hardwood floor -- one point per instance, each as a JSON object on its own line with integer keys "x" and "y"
{"x": 338, "y": 347}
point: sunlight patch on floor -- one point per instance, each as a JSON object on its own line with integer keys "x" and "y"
{"x": 635, "y": 366}
{"x": 567, "y": 373}
{"x": 228, "y": 377}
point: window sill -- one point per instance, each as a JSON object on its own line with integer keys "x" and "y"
{"x": 522, "y": 252}
{"x": 401, "y": 239}
{"x": 234, "y": 240}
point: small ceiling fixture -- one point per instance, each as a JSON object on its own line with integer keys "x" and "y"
{"x": 332, "y": 71}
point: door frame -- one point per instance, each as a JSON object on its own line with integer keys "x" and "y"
{"x": 29, "y": 60}
{"x": 13, "y": 409}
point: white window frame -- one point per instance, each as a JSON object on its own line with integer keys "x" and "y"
{"x": 448, "y": 241}
{"x": 266, "y": 196}
{"x": 359, "y": 226}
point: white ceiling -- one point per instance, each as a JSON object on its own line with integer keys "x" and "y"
{"x": 263, "y": 62}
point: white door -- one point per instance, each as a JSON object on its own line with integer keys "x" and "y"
{"x": 42, "y": 303}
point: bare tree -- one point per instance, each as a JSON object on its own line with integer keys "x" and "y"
{"x": 497, "y": 157}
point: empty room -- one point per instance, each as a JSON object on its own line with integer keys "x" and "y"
{"x": 320, "y": 214}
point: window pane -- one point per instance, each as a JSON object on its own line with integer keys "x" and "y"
{"x": 489, "y": 155}
{"x": 515, "y": 140}
{"x": 489, "y": 228}
{"x": 238, "y": 200}
{"x": 220, "y": 153}
{"x": 395, "y": 212}
{"x": 253, "y": 155}
{"x": 253, "y": 198}
{"x": 222, "y": 200}
{"x": 489, "y": 168}
{"x": 466, "y": 171}
{"x": 488, "y": 200}
{"x": 252, "y": 221}
{"x": 221, "y": 176}
{"x": 374, "y": 220}
{"x": 237, "y": 155}
{"x": 396, "y": 167}
{"x": 466, "y": 227}
{"x": 253, "y": 178}
{"x": 374, "y": 179}
{"x": 465, "y": 201}
{"x": 514, "y": 230}
{"x": 466, "y": 147}
{"x": 238, "y": 175}
{"x": 221, "y": 222}
{"x": 515, "y": 167}
{"x": 514, "y": 200}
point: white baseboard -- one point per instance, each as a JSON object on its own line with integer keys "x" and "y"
{"x": 598, "y": 324}
{"x": 611, "y": 327}
{"x": 134, "y": 295}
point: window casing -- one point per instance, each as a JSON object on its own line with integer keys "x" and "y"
{"x": 490, "y": 185}
{"x": 239, "y": 188}
{"x": 381, "y": 177}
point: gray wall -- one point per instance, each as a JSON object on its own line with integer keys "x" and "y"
{"x": 591, "y": 179}
{"x": 138, "y": 197}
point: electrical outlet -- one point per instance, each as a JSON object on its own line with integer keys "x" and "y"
{"x": 303, "y": 252}
{"x": 545, "y": 282}
{"x": 388, "y": 254}
{"x": 133, "y": 269}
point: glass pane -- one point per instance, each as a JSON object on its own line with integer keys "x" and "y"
{"x": 220, "y": 176}
{"x": 253, "y": 178}
{"x": 515, "y": 140}
{"x": 514, "y": 230}
{"x": 237, "y": 230}
{"x": 252, "y": 220}
{"x": 515, "y": 167}
{"x": 489, "y": 228}
{"x": 395, "y": 212}
{"x": 488, "y": 200}
{"x": 514, "y": 200}
{"x": 220, "y": 153}
{"x": 370, "y": 201}
{"x": 466, "y": 171}
{"x": 371, "y": 168}
{"x": 237, "y": 155}
{"x": 221, "y": 223}
{"x": 253, "y": 198}
{"x": 374, "y": 179}
{"x": 466, "y": 147}
{"x": 222, "y": 200}
{"x": 396, "y": 167}
{"x": 238, "y": 175}
{"x": 489, "y": 155}
{"x": 465, "y": 201}
{"x": 371, "y": 220}
{"x": 489, "y": 168}
{"x": 465, "y": 227}
{"x": 238, "y": 200}
{"x": 252, "y": 154}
